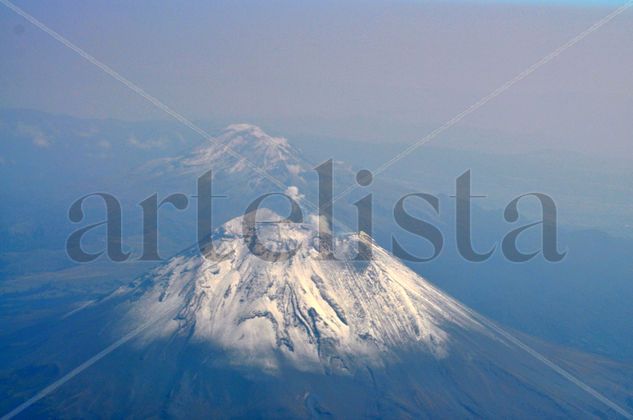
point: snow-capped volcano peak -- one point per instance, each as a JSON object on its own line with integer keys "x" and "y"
{"x": 245, "y": 127}
{"x": 237, "y": 133}
{"x": 252, "y": 144}
{"x": 311, "y": 312}
{"x": 253, "y": 131}
{"x": 237, "y": 150}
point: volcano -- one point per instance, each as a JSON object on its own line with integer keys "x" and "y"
{"x": 222, "y": 332}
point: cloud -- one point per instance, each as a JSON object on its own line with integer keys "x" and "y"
{"x": 88, "y": 132}
{"x": 293, "y": 192}
{"x": 22, "y": 229}
{"x": 294, "y": 169}
{"x": 319, "y": 223}
{"x": 36, "y": 135}
{"x": 104, "y": 144}
{"x": 147, "y": 144}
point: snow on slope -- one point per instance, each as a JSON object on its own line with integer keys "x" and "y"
{"x": 251, "y": 143}
{"x": 313, "y": 313}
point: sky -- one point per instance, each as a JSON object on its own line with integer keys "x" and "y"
{"x": 368, "y": 71}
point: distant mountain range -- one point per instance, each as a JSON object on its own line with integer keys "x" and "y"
{"x": 299, "y": 337}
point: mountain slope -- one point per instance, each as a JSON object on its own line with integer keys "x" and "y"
{"x": 299, "y": 336}
{"x": 230, "y": 334}
{"x": 234, "y": 154}
{"x": 295, "y": 337}
{"x": 314, "y": 312}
